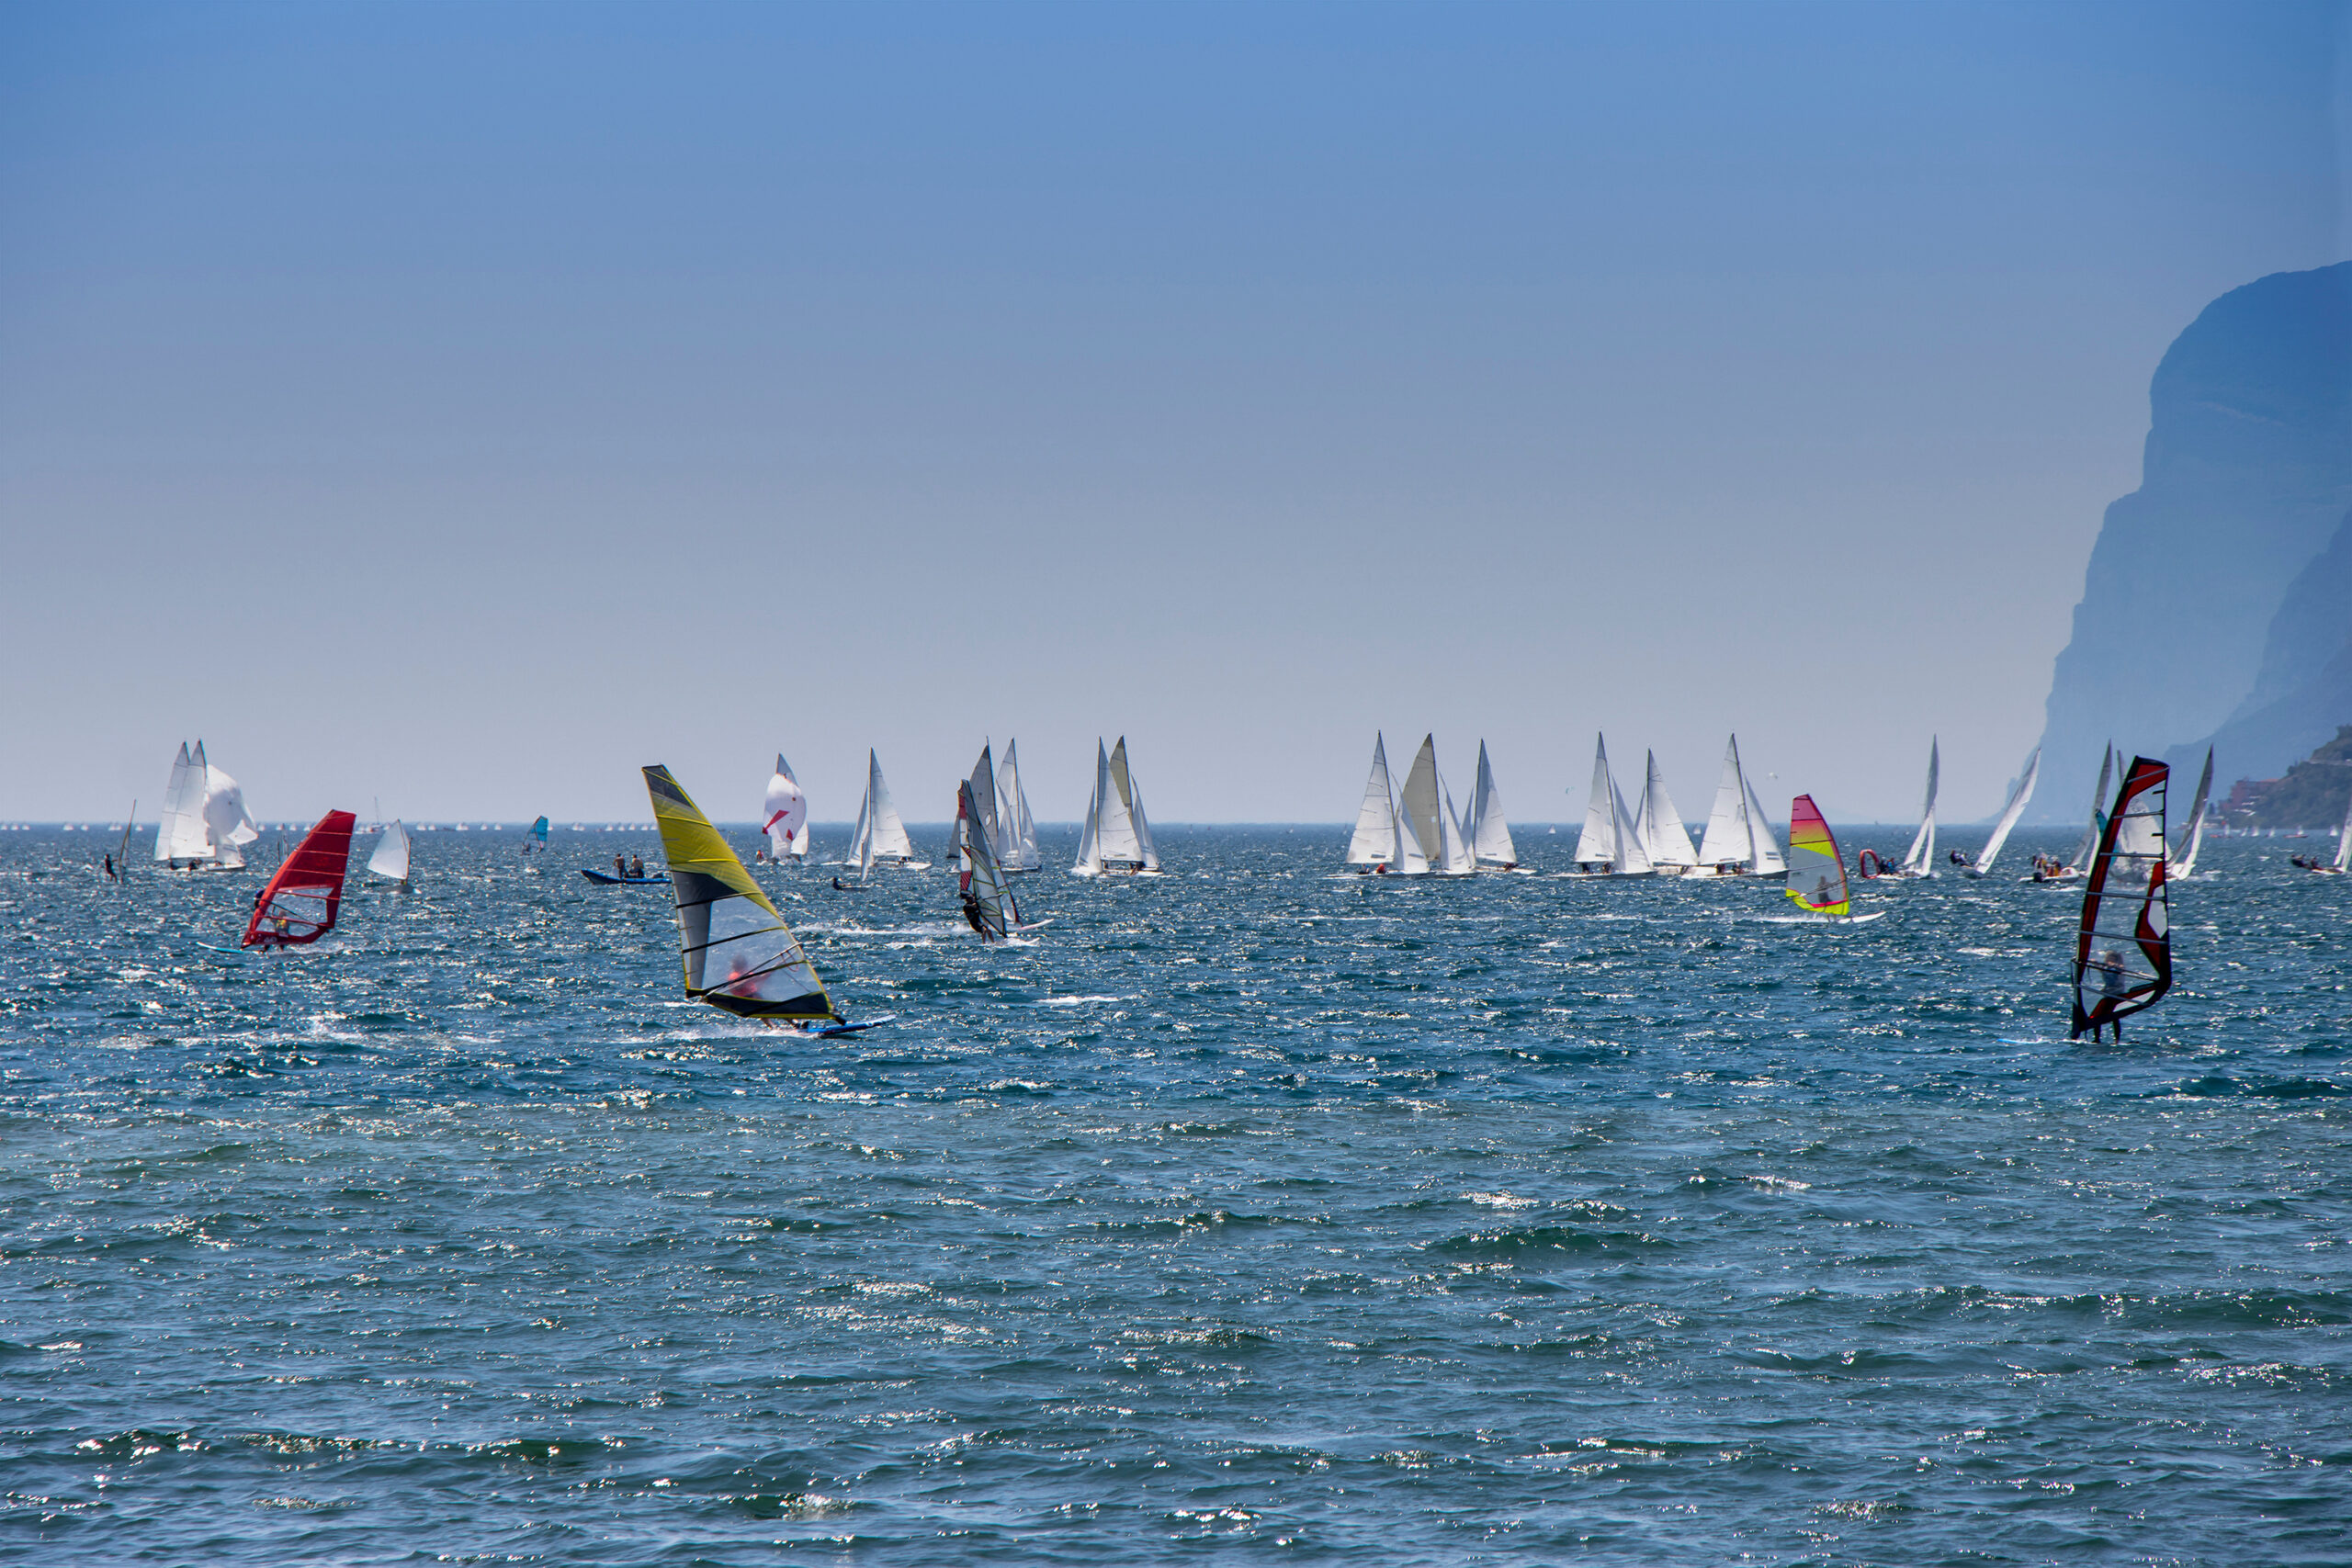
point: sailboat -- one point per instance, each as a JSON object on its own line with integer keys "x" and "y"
{"x": 1919, "y": 859}
{"x": 2182, "y": 861}
{"x": 299, "y": 904}
{"x": 1426, "y": 816}
{"x": 785, "y": 814}
{"x": 1660, "y": 826}
{"x": 1116, "y": 836}
{"x": 1489, "y": 834}
{"x": 1372, "y": 847}
{"x": 204, "y": 820}
{"x": 2123, "y": 948}
{"x": 1608, "y": 846}
{"x": 1738, "y": 841}
{"x": 738, "y": 954}
{"x": 391, "y": 859}
{"x": 1817, "y": 872}
{"x": 881, "y": 837}
{"x": 988, "y": 906}
{"x": 2046, "y": 870}
{"x": 1016, "y": 837}
{"x": 1982, "y": 864}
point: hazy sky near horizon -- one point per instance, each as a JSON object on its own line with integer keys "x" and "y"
{"x": 460, "y": 406}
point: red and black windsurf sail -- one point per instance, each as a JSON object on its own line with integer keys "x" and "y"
{"x": 301, "y": 901}
{"x": 2123, "y": 952}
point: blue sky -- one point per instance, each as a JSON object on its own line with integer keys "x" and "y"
{"x": 461, "y": 406}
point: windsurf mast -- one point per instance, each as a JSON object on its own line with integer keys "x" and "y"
{"x": 737, "y": 953}
{"x": 299, "y": 903}
{"x": 2123, "y": 949}
{"x": 1816, "y": 871}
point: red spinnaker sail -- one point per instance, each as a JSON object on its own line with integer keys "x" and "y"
{"x": 2123, "y": 952}
{"x": 301, "y": 901}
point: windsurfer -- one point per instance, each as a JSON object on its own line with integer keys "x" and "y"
{"x": 110, "y": 871}
{"x": 974, "y": 915}
{"x": 2114, "y": 984}
{"x": 1822, "y": 897}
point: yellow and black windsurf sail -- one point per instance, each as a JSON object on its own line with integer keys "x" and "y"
{"x": 739, "y": 953}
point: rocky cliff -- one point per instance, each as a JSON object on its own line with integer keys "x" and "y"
{"x": 2215, "y": 606}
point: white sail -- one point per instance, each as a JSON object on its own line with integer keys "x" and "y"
{"x": 886, "y": 834}
{"x": 983, "y": 786}
{"x": 1662, "y": 832}
{"x": 2344, "y": 841}
{"x": 1374, "y": 840}
{"x": 180, "y": 834}
{"x": 861, "y": 839}
{"x": 1769, "y": 862}
{"x": 225, "y": 817}
{"x": 2009, "y": 813}
{"x": 1919, "y": 861}
{"x": 2192, "y": 834}
{"x": 987, "y": 900}
{"x": 1634, "y": 855}
{"x": 1089, "y": 863}
{"x": 1418, "y": 804}
{"x": 2098, "y": 812}
{"x": 1454, "y": 858}
{"x": 785, "y": 814}
{"x": 1409, "y": 861}
{"x": 1597, "y": 844}
{"x": 1137, "y": 826}
{"x": 1488, "y": 833}
{"x": 391, "y": 858}
{"x": 1016, "y": 840}
{"x": 1726, "y": 841}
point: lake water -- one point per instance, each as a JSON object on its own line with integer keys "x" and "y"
{"x": 1251, "y": 1214}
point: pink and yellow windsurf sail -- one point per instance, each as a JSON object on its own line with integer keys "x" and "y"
{"x": 1816, "y": 873}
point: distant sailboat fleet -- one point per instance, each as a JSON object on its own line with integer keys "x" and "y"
{"x": 739, "y": 955}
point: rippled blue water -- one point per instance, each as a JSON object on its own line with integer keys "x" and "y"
{"x": 1250, "y": 1213}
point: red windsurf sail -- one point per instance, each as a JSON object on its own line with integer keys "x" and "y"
{"x": 299, "y": 903}
{"x": 2123, "y": 951}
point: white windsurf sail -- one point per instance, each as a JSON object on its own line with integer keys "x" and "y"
{"x": 2010, "y": 814}
{"x": 1016, "y": 839}
{"x": 1374, "y": 840}
{"x": 1919, "y": 859}
{"x": 983, "y": 787}
{"x": 785, "y": 813}
{"x": 1488, "y": 833}
{"x": 391, "y": 859}
{"x": 2344, "y": 841}
{"x": 2192, "y": 833}
{"x": 1663, "y": 835}
{"x": 988, "y": 897}
{"x": 1596, "y": 845}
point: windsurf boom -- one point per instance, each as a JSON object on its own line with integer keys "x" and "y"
{"x": 737, "y": 953}
{"x": 2123, "y": 949}
{"x": 299, "y": 903}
